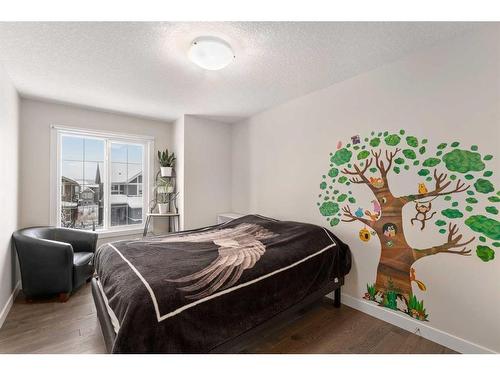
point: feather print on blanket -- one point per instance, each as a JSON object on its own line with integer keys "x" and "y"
{"x": 239, "y": 249}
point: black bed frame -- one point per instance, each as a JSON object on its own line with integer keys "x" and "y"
{"x": 237, "y": 343}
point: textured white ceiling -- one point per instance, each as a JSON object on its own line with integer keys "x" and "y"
{"x": 142, "y": 68}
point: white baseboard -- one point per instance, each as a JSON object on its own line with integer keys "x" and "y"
{"x": 405, "y": 322}
{"x": 9, "y": 303}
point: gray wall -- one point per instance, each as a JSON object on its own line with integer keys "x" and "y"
{"x": 9, "y": 172}
{"x": 207, "y": 170}
{"x": 450, "y": 91}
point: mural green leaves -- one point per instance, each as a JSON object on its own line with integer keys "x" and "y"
{"x": 363, "y": 155}
{"x": 485, "y": 225}
{"x": 342, "y": 156}
{"x": 412, "y": 141}
{"x": 334, "y": 221}
{"x": 329, "y": 208}
{"x": 375, "y": 142}
{"x": 431, "y": 162}
{"x": 333, "y": 172}
{"x": 410, "y": 154}
{"x": 463, "y": 161}
{"x": 483, "y": 186}
{"x": 491, "y": 209}
{"x": 452, "y": 213}
{"x": 485, "y": 253}
{"x": 392, "y": 140}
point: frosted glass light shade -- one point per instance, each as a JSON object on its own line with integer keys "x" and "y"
{"x": 211, "y": 53}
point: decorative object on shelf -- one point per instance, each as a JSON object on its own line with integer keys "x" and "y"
{"x": 167, "y": 162}
{"x": 162, "y": 208}
{"x": 164, "y": 194}
{"x": 164, "y": 185}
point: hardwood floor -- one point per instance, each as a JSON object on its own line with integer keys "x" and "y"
{"x": 72, "y": 327}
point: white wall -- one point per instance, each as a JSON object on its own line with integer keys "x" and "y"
{"x": 449, "y": 91}
{"x": 207, "y": 171}
{"x": 9, "y": 172}
{"x": 178, "y": 148}
{"x": 36, "y": 119}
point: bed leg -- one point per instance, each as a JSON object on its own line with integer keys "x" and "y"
{"x": 336, "y": 299}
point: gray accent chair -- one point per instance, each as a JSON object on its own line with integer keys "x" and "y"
{"x": 54, "y": 261}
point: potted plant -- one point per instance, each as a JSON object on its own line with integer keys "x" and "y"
{"x": 163, "y": 203}
{"x": 170, "y": 188}
{"x": 164, "y": 186}
{"x": 167, "y": 162}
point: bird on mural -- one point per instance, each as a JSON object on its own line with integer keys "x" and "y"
{"x": 339, "y": 145}
{"x": 422, "y": 189}
{"x": 359, "y": 212}
{"x": 376, "y": 206}
{"x": 372, "y": 215}
{"x": 239, "y": 248}
{"x": 420, "y": 284}
{"x": 377, "y": 182}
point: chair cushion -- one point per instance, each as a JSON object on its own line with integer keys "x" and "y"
{"x": 82, "y": 268}
{"x": 81, "y": 259}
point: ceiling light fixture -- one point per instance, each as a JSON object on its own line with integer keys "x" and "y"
{"x": 211, "y": 53}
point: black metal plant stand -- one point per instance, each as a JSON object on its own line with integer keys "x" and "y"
{"x": 172, "y": 209}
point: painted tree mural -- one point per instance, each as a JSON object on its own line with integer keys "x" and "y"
{"x": 449, "y": 173}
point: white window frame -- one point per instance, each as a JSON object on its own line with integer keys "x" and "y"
{"x": 147, "y": 142}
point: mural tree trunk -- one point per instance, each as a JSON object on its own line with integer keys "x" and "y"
{"x": 395, "y": 273}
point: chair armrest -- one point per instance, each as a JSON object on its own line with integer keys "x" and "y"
{"x": 46, "y": 266}
{"x": 81, "y": 240}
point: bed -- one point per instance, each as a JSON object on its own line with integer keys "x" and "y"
{"x": 208, "y": 290}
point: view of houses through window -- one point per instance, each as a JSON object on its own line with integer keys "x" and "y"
{"x": 84, "y": 182}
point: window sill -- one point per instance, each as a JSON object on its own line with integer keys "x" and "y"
{"x": 109, "y": 233}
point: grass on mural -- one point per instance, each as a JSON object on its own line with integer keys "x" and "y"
{"x": 389, "y": 299}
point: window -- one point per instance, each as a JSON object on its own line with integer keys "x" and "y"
{"x": 100, "y": 181}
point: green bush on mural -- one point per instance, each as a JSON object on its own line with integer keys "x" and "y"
{"x": 452, "y": 213}
{"x": 410, "y": 154}
{"x": 463, "y": 161}
{"x": 485, "y": 253}
{"x": 363, "y": 155}
{"x": 483, "y": 186}
{"x": 392, "y": 140}
{"x": 333, "y": 172}
{"x": 329, "y": 208}
{"x": 431, "y": 162}
{"x": 485, "y": 225}
{"x": 442, "y": 173}
{"x": 342, "y": 156}
{"x": 412, "y": 141}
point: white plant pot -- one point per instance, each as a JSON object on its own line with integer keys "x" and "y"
{"x": 162, "y": 208}
{"x": 166, "y": 171}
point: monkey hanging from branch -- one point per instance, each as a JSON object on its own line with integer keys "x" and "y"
{"x": 423, "y": 209}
